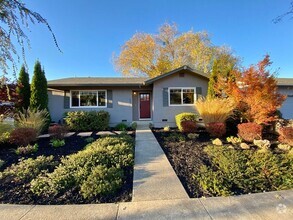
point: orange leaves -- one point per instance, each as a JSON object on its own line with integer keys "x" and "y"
{"x": 255, "y": 91}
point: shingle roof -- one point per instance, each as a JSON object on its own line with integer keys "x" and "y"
{"x": 285, "y": 81}
{"x": 97, "y": 81}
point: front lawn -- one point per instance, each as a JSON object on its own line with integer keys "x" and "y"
{"x": 84, "y": 170}
{"x": 209, "y": 170}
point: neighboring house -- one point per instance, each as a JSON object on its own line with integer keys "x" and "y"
{"x": 285, "y": 86}
{"x": 157, "y": 100}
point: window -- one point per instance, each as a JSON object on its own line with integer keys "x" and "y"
{"x": 181, "y": 96}
{"x": 88, "y": 98}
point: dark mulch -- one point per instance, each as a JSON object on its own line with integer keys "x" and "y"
{"x": 186, "y": 157}
{"x": 15, "y": 193}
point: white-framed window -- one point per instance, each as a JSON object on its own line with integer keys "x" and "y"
{"x": 182, "y": 96}
{"x": 88, "y": 98}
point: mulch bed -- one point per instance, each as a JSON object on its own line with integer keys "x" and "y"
{"x": 11, "y": 192}
{"x": 186, "y": 157}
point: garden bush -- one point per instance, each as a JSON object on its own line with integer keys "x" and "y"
{"x": 32, "y": 118}
{"x": 286, "y": 135}
{"x": 87, "y": 121}
{"x": 121, "y": 127}
{"x": 188, "y": 126}
{"x": 29, "y": 149}
{"x": 185, "y": 116}
{"x": 28, "y": 169}
{"x": 58, "y": 131}
{"x": 250, "y": 131}
{"x": 237, "y": 172}
{"x": 23, "y": 136}
{"x": 99, "y": 167}
{"x": 216, "y": 129}
{"x": 234, "y": 140}
{"x": 57, "y": 142}
{"x": 5, "y": 130}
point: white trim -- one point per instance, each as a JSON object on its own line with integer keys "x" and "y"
{"x": 97, "y": 93}
{"x": 138, "y": 97}
{"x": 181, "y": 88}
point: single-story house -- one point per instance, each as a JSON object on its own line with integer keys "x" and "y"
{"x": 285, "y": 86}
{"x": 157, "y": 100}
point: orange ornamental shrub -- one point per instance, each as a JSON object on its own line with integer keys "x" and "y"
{"x": 255, "y": 91}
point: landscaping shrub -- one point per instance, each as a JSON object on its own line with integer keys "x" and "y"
{"x": 96, "y": 170}
{"x": 175, "y": 137}
{"x": 188, "y": 126}
{"x": 250, "y": 131}
{"x": 121, "y": 127}
{"x": 237, "y": 172}
{"x": 57, "y": 142}
{"x": 215, "y": 110}
{"x": 29, "y": 149}
{"x": 57, "y": 132}
{"x": 5, "y": 130}
{"x": 133, "y": 125}
{"x": 234, "y": 140}
{"x": 87, "y": 121}
{"x": 23, "y": 136}
{"x": 185, "y": 116}
{"x": 32, "y": 118}
{"x": 28, "y": 169}
{"x": 216, "y": 129}
{"x": 102, "y": 181}
{"x": 286, "y": 135}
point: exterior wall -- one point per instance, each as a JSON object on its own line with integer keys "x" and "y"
{"x": 121, "y": 110}
{"x": 287, "y": 107}
{"x": 161, "y": 112}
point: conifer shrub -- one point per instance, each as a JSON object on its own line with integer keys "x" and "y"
{"x": 23, "y": 89}
{"x": 87, "y": 120}
{"x": 185, "y": 116}
{"x": 250, "y": 131}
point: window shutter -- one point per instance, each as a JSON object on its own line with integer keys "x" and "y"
{"x": 66, "y": 99}
{"x": 198, "y": 93}
{"x": 109, "y": 99}
{"x": 165, "y": 97}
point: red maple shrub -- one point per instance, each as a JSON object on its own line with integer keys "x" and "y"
{"x": 188, "y": 126}
{"x": 255, "y": 91}
{"x": 58, "y": 131}
{"x": 216, "y": 129}
{"x": 23, "y": 136}
{"x": 286, "y": 135}
{"x": 250, "y": 131}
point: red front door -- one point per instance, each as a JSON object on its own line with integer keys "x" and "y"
{"x": 145, "y": 105}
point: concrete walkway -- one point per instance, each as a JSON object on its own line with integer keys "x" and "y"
{"x": 154, "y": 177}
{"x": 272, "y": 205}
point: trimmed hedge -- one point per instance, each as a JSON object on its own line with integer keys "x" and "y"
{"x": 87, "y": 120}
{"x": 185, "y": 116}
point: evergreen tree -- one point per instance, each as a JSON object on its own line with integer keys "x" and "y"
{"x": 23, "y": 88}
{"x": 39, "y": 95}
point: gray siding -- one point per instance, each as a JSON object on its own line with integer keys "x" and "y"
{"x": 121, "y": 110}
{"x": 160, "y": 111}
{"x": 287, "y": 107}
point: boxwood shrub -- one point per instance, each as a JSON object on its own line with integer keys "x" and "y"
{"x": 87, "y": 120}
{"x": 185, "y": 116}
{"x": 95, "y": 171}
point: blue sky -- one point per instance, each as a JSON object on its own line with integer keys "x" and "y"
{"x": 90, "y": 31}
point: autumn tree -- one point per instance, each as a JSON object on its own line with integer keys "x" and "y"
{"x": 153, "y": 54}
{"x": 8, "y": 97}
{"x": 255, "y": 91}
{"x": 39, "y": 95}
{"x": 223, "y": 70}
{"x": 14, "y": 18}
{"x": 288, "y": 13}
{"x": 23, "y": 88}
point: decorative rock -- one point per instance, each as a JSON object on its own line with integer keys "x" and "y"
{"x": 217, "y": 142}
{"x": 284, "y": 147}
{"x": 230, "y": 147}
{"x": 244, "y": 146}
{"x": 262, "y": 144}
